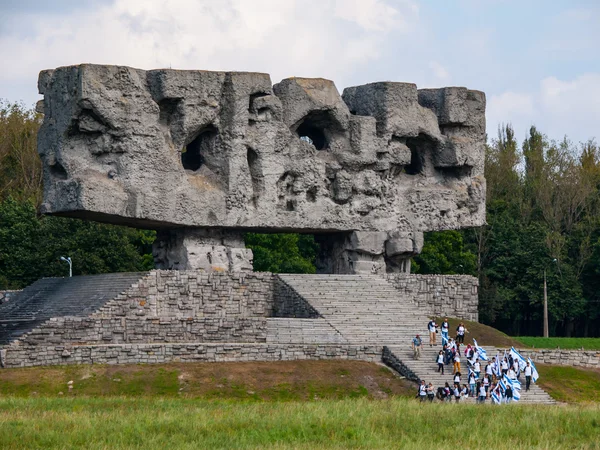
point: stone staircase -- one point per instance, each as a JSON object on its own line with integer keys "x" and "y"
{"x": 302, "y": 331}
{"x": 78, "y": 296}
{"x": 367, "y": 309}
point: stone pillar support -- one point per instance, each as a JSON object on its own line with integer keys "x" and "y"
{"x": 204, "y": 249}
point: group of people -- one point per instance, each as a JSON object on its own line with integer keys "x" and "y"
{"x": 500, "y": 380}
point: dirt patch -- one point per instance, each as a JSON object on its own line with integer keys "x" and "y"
{"x": 284, "y": 380}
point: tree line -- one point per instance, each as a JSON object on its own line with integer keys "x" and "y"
{"x": 543, "y": 214}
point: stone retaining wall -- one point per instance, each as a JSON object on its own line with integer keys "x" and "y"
{"x": 89, "y": 330}
{"x": 440, "y": 295}
{"x": 576, "y": 358}
{"x": 190, "y": 293}
{"x": 184, "y": 352}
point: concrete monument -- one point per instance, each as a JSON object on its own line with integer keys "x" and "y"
{"x": 203, "y": 157}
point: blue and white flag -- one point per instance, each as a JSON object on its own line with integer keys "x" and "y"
{"x": 480, "y": 351}
{"x": 495, "y": 397}
{"x": 444, "y": 340}
{"x": 516, "y": 355}
{"x": 516, "y": 395}
{"x": 534, "y": 373}
{"x": 502, "y": 383}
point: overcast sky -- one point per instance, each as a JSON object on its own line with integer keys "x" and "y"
{"x": 537, "y": 61}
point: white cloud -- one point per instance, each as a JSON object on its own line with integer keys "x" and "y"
{"x": 283, "y": 38}
{"x": 375, "y": 15}
{"x": 439, "y": 71}
{"x": 558, "y": 108}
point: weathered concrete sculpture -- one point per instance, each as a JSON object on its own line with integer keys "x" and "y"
{"x": 205, "y": 156}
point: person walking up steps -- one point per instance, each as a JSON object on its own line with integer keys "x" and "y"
{"x": 432, "y": 327}
{"x": 528, "y": 373}
{"x": 440, "y": 361}
{"x": 416, "y": 346}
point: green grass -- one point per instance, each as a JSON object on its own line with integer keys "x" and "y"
{"x": 145, "y": 423}
{"x": 258, "y": 381}
{"x": 570, "y": 384}
{"x": 563, "y": 343}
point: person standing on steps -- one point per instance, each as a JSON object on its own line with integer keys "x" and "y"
{"x": 477, "y": 368}
{"x": 481, "y": 392}
{"x": 504, "y": 366}
{"x": 460, "y": 333}
{"x": 440, "y": 361}
{"x": 416, "y": 346}
{"x": 445, "y": 329}
{"x": 456, "y": 367}
{"x": 432, "y": 327}
{"x": 457, "y": 378}
{"x": 528, "y": 373}
{"x": 472, "y": 382}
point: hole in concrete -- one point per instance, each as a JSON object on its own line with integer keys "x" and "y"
{"x": 255, "y": 174}
{"x": 57, "y": 170}
{"x": 311, "y": 195}
{"x": 420, "y": 148}
{"x": 456, "y": 171}
{"x": 290, "y": 206}
{"x": 317, "y": 128}
{"x": 192, "y": 156}
{"x": 312, "y": 135}
{"x": 167, "y": 107}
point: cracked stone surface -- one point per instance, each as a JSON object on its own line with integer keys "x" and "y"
{"x": 205, "y": 156}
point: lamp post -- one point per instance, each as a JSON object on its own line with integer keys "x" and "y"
{"x": 546, "y": 333}
{"x": 68, "y": 260}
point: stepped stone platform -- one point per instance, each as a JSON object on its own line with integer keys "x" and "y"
{"x": 188, "y": 316}
{"x": 55, "y": 297}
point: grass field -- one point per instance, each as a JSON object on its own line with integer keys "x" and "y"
{"x": 570, "y": 384}
{"x": 563, "y": 343}
{"x": 259, "y": 381}
{"x": 353, "y": 423}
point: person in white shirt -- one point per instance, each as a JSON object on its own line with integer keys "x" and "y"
{"x": 477, "y": 368}
{"x": 516, "y": 368}
{"x": 472, "y": 383}
{"x": 528, "y": 373}
{"x": 488, "y": 370}
{"x": 423, "y": 391}
{"x": 457, "y": 378}
{"x": 482, "y": 393}
{"x": 511, "y": 374}
{"x": 440, "y": 361}
{"x": 456, "y": 367}
{"x": 504, "y": 366}
{"x": 445, "y": 329}
{"x": 432, "y": 326}
{"x": 460, "y": 333}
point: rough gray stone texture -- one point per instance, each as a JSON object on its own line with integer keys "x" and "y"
{"x": 194, "y": 294}
{"x": 184, "y": 352}
{"x": 186, "y": 150}
{"x": 575, "y": 358}
{"x": 440, "y": 295}
{"x": 288, "y": 303}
